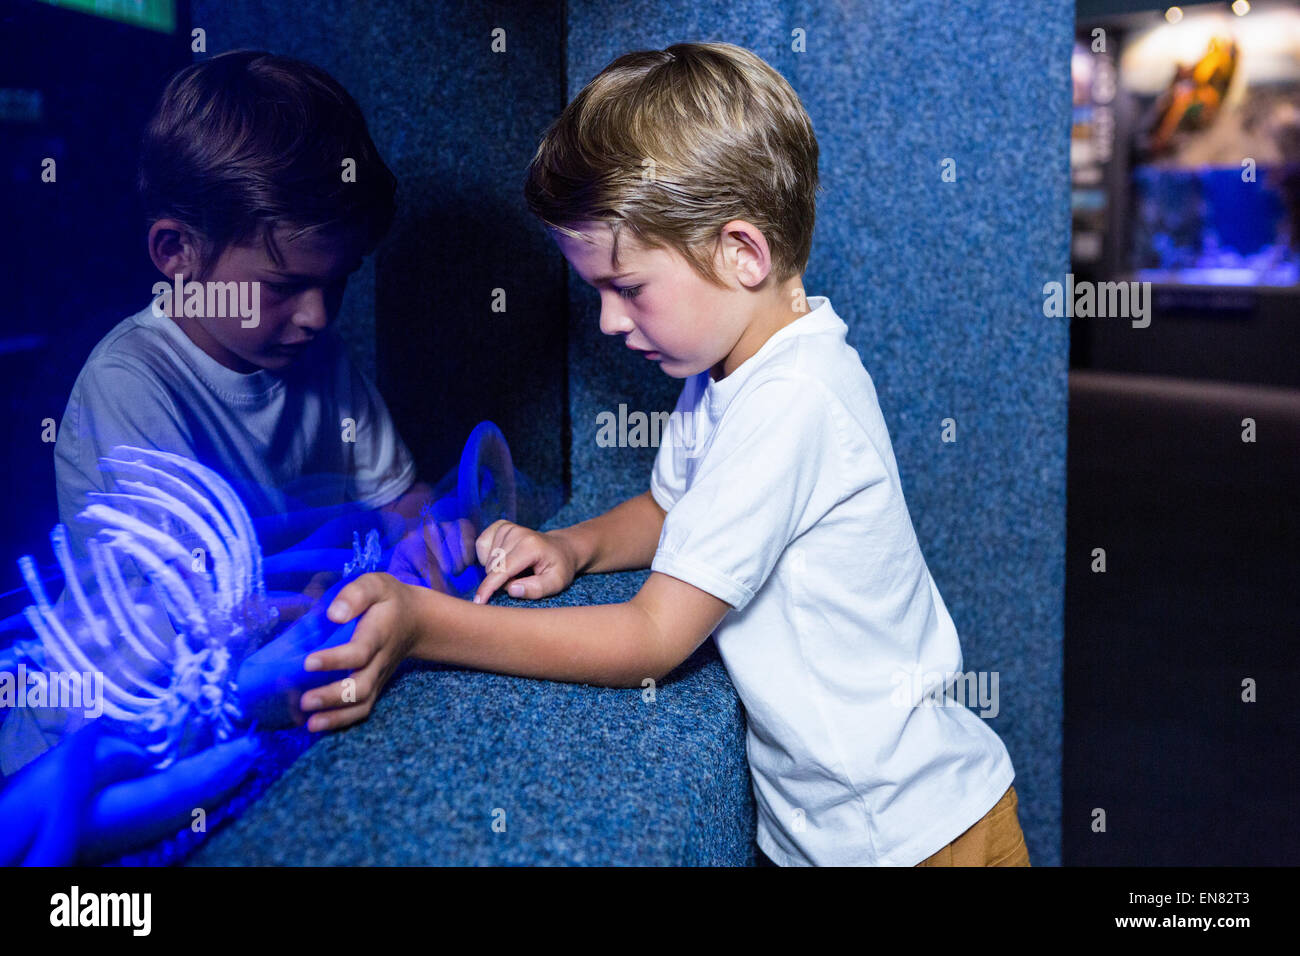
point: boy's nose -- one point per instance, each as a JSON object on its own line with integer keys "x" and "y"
{"x": 613, "y": 320}
{"x": 310, "y": 311}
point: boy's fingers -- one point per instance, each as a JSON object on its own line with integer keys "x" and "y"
{"x": 329, "y": 695}
{"x": 339, "y": 717}
{"x": 529, "y": 588}
{"x": 502, "y": 566}
{"x": 357, "y": 687}
{"x": 356, "y": 653}
{"x": 352, "y": 656}
{"x": 458, "y": 545}
{"x": 355, "y": 598}
{"x": 465, "y": 532}
{"x": 488, "y": 587}
{"x": 484, "y": 543}
{"x": 437, "y": 580}
{"x": 436, "y": 546}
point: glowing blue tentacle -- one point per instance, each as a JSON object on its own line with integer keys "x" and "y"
{"x": 55, "y": 638}
{"x": 117, "y": 584}
{"x": 72, "y": 584}
{"x": 112, "y": 601}
{"x": 210, "y": 481}
{"x": 168, "y": 505}
{"x": 159, "y": 479}
{"x": 55, "y": 648}
{"x": 180, "y": 601}
{"x": 168, "y": 547}
{"x": 163, "y": 503}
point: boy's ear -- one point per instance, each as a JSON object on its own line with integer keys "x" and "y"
{"x": 746, "y": 253}
{"x": 174, "y": 248}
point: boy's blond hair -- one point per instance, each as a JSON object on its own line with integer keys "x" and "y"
{"x": 676, "y": 143}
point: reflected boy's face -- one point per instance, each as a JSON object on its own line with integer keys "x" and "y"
{"x": 656, "y": 301}
{"x": 298, "y": 298}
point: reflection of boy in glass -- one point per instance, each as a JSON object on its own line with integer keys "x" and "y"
{"x": 256, "y": 170}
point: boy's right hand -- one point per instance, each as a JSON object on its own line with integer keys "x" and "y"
{"x": 506, "y": 549}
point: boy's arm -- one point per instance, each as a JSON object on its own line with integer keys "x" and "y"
{"x": 610, "y": 645}
{"x": 622, "y": 539}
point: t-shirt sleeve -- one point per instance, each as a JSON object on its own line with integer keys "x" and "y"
{"x": 382, "y": 466}
{"x": 112, "y": 403}
{"x": 773, "y": 467}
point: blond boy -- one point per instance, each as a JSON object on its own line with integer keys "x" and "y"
{"x": 681, "y": 184}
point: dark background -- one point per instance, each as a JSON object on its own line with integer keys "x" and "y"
{"x": 1202, "y": 537}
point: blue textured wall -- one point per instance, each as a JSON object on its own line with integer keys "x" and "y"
{"x": 940, "y": 284}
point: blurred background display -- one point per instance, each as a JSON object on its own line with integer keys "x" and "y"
{"x": 1185, "y": 148}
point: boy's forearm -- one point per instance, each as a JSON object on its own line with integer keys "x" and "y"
{"x": 622, "y": 539}
{"x": 609, "y": 645}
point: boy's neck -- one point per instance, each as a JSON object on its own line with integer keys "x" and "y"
{"x": 788, "y": 304}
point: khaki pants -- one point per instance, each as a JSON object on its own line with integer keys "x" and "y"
{"x": 994, "y": 840}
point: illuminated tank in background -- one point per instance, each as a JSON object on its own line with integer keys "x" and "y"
{"x": 1209, "y": 227}
{"x": 189, "y": 662}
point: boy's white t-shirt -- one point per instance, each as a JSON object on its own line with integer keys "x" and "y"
{"x": 783, "y": 499}
{"x": 313, "y": 435}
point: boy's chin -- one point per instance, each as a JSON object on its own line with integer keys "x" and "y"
{"x": 674, "y": 369}
{"x": 276, "y": 359}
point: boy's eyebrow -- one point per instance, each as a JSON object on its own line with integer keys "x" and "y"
{"x": 600, "y": 280}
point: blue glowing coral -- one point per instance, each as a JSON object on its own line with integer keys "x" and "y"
{"x": 183, "y": 527}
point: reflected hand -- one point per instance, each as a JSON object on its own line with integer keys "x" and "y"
{"x": 435, "y": 551}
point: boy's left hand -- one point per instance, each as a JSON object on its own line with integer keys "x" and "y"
{"x": 382, "y": 640}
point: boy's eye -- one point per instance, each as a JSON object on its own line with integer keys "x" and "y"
{"x": 279, "y": 289}
{"x": 631, "y": 292}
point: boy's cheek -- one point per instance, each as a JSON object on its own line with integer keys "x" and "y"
{"x": 252, "y": 345}
{"x": 261, "y": 342}
{"x": 238, "y": 340}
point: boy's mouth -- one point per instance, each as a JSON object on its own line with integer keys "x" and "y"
{"x": 293, "y": 348}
